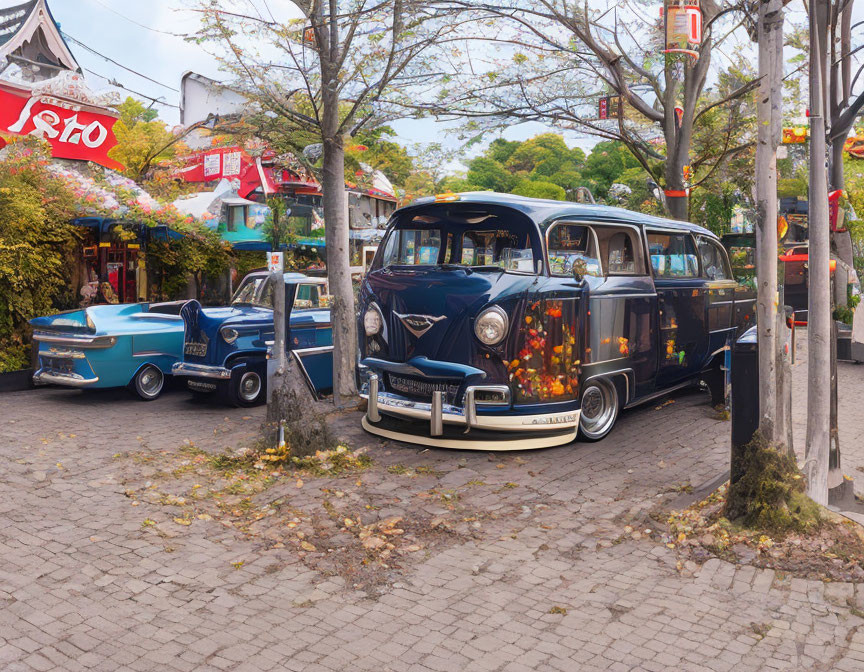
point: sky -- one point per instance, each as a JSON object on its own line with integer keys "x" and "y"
{"x": 138, "y": 35}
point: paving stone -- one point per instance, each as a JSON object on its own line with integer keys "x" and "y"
{"x": 84, "y": 586}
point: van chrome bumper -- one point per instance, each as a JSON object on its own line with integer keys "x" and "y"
{"x": 201, "y": 371}
{"x": 438, "y": 413}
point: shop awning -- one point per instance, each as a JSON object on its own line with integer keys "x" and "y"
{"x": 104, "y": 224}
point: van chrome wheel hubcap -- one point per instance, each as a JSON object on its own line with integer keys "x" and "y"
{"x": 599, "y": 408}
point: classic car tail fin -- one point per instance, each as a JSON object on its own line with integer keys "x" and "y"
{"x": 70, "y": 322}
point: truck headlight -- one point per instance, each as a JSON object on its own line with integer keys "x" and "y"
{"x": 373, "y": 322}
{"x": 490, "y": 327}
{"x": 229, "y": 335}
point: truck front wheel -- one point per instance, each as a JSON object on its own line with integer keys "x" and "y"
{"x": 247, "y": 387}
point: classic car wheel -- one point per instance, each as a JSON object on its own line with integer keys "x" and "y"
{"x": 247, "y": 389}
{"x": 599, "y": 409}
{"x": 149, "y": 382}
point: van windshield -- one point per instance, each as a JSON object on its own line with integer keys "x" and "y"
{"x": 464, "y": 237}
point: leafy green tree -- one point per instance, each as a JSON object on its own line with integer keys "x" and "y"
{"x": 538, "y": 189}
{"x": 501, "y": 150}
{"x": 490, "y": 174}
{"x": 605, "y": 164}
{"x": 544, "y": 154}
{"x": 142, "y": 140}
{"x": 381, "y": 153}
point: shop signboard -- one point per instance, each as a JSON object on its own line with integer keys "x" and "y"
{"x": 275, "y": 262}
{"x": 73, "y": 129}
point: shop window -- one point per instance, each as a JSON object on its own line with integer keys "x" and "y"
{"x": 673, "y": 255}
{"x": 236, "y": 217}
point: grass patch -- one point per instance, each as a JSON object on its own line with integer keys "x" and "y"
{"x": 770, "y": 495}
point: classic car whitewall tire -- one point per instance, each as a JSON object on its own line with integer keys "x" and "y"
{"x": 148, "y": 382}
{"x": 600, "y": 406}
{"x": 247, "y": 388}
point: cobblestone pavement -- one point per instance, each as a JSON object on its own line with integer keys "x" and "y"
{"x": 542, "y": 579}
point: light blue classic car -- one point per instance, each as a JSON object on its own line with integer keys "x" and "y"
{"x": 225, "y": 350}
{"x": 120, "y": 345}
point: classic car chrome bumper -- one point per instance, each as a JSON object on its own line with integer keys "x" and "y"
{"x": 42, "y": 377}
{"x": 201, "y": 371}
{"x": 75, "y": 341}
{"x": 564, "y": 425}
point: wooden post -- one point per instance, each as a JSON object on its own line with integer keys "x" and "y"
{"x": 819, "y": 297}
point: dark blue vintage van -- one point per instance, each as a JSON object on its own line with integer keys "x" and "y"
{"x": 500, "y": 322}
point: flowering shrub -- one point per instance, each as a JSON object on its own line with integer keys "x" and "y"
{"x": 37, "y": 246}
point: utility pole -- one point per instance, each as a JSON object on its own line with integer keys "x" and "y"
{"x": 768, "y": 111}
{"x": 819, "y": 297}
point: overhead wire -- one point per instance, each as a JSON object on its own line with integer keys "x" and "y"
{"x": 137, "y": 23}
{"x": 115, "y": 83}
{"x": 119, "y": 65}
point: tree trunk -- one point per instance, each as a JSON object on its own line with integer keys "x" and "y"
{"x": 837, "y": 179}
{"x": 678, "y": 207}
{"x": 819, "y": 299}
{"x": 290, "y": 405}
{"x": 769, "y": 100}
{"x": 338, "y": 251}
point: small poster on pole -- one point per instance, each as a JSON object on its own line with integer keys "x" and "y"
{"x": 275, "y": 262}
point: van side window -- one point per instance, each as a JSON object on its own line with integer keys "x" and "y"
{"x": 572, "y": 247}
{"x": 714, "y": 265}
{"x": 621, "y": 249}
{"x": 673, "y": 255}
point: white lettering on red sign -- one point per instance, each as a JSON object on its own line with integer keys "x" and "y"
{"x": 46, "y": 122}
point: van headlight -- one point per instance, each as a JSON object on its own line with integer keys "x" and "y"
{"x": 373, "y": 322}
{"x": 490, "y": 327}
{"x": 229, "y": 335}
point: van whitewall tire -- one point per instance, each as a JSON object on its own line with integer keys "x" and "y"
{"x": 600, "y": 406}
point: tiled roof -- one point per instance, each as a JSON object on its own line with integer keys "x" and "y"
{"x": 12, "y": 18}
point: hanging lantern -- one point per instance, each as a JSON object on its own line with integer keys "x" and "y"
{"x": 683, "y": 26}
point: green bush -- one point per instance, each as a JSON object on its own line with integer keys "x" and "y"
{"x": 37, "y": 245}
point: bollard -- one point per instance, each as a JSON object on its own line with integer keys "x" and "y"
{"x": 470, "y": 410}
{"x": 372, "y": 414}
{"x": 437, "y": 420}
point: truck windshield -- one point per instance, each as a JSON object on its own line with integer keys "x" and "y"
{"x": 254, "y": 291}
{"x": 470, "y": 239}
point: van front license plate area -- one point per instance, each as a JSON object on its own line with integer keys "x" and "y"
{"x": 201, "y": 386}
{"x": 195, "y": 349}
{"x": 422, "y": 388}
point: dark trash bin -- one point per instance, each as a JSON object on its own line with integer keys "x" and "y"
{"x": 745, "y": 394}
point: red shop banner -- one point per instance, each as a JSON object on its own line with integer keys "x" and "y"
{"x": 75, "y": 130}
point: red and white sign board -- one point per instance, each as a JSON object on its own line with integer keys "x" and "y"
{"x": 74, "y": 130}
{"x": 276, "y": 262}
